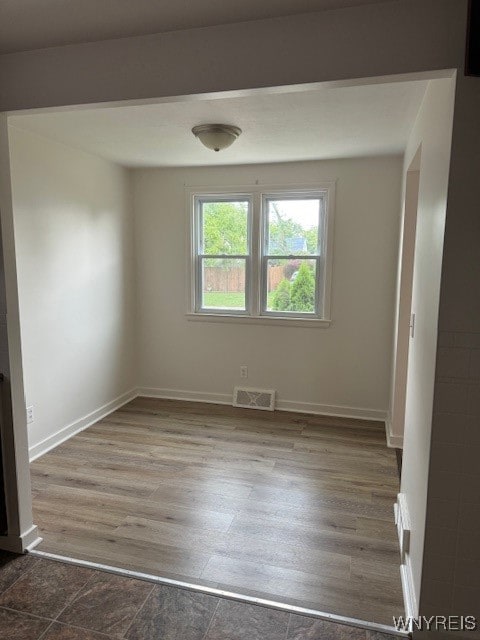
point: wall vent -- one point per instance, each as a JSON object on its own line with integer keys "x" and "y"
{"x": 254, "y": 398}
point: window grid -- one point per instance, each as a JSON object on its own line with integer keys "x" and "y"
{"x": 314, "y": 257}
{"x": 200, "y": 201}
{"x": 257, "y": 259}
{"x": 264, "y": 287}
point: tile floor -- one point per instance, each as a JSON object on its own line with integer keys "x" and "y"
{"x": 46, "y": 600}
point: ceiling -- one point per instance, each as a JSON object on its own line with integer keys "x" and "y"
{"x": 35, "y": 24}
{"x": 299, "y": 125}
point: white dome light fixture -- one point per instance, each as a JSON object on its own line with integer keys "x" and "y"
{"x": 216, "y": 136}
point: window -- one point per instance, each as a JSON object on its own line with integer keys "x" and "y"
{"x": 262, "y": 254}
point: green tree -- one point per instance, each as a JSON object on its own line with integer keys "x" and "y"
{"x": 302, "y": 296}
{"x": 281, "y": 232}
{"x": 225, "y": 228}
{"x": 311, "y": 236}
{"x": 281, "y": 297}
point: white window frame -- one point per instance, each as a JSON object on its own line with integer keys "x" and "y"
{"x": 256, "y": 262}
{"x": 198, "y": 200}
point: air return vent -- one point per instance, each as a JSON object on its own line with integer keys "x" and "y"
{"x": 254, "y": 398}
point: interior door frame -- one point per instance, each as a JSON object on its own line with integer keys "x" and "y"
{"x": 22, "y": 533}
{"x": 403, "y": 317}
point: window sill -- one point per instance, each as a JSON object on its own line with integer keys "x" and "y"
{"x": 266, "y": 320}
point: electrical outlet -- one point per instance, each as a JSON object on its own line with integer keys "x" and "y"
{"x": 30, "y": 414}
{"x": 243, "y": 371}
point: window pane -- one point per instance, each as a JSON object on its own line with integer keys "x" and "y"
{"x": 293, "y": 226}
{"x": 291, "y": 286}
{"x": 223, "y": 284}
{"x": 224, "y": 228}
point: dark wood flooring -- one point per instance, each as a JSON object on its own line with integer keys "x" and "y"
{"x": 290, "y": 507}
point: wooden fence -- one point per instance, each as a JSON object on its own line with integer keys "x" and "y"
{"x": 233, "y": 280}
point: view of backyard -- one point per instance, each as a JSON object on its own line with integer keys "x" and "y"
{"x": 291, "y": 244}
{"x": 228, "y": 299}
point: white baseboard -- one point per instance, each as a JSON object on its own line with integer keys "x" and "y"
{"x": 281, "y": 405}
{"x": 409, "y": 599}
{"x": 393, "y": 441}
{"x": 70, "y": 430}
{"x": 189, "y": 396}
{"x": 340, "y": 411}
{"x": 20, "y": 543}
{"x": 403, "y": 525}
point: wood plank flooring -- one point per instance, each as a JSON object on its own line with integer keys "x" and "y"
{"x": 290, "y": 507}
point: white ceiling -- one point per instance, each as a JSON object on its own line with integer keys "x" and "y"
{"x": 34, "y": 24}
{"x": 301, "y": 125}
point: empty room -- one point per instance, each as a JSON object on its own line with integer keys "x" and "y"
{"x": 215, "y": 332}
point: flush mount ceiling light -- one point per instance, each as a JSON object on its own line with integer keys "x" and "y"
{"x": 216, "y": 136}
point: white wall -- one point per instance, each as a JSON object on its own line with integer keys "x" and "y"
{"x": 370, "y": 40}
{"x": 74, "y": 241}
{"x": 411, "y": 36}
{"x": 432, "y": 131}
{"x": 342, "y": 369}
{"x": 451, "y": 573}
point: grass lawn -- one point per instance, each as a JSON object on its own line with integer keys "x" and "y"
{"x": 221, "y": 300}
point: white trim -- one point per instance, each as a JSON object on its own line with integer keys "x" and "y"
{"x": 393, "y": 441}
{"x": 404, "y": 528}
{"x": 281, "y": 405}
{"x": 21, "y": 543}
{"x": 188, "y": 396}
{"x": 71, "y": 429}
{"x": 332, "y": 617}
{"x": 244, "y": 93}
{"x": 255, "y": 277}
{"x": 408, "y": 589}
{"x": 402, "y": 522}
{"x": 33, "y": 545}
{"x": 14, "y": 436}
{"x": 340, "y": 411}
{"x": 279, "y": 321}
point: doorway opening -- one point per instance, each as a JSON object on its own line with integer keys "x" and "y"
{"x": 137, "y": 461}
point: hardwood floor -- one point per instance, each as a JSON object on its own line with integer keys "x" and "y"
{"x": 289, "y": 507}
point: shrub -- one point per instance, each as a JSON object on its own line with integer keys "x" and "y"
{"x": 281, "y": 297}
{"x": 302, "y": 291}
{"x": 290, "y": 268}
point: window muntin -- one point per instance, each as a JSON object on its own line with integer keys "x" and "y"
{"x": 262, "y": 253}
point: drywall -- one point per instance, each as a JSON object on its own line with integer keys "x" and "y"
{"x": 451, "y": 576}
{"x": 21, "y": 530}
{"x": 341, "y": 369}
{"x": 392, "y": 38}
{"x": 359, "y": 42}
{"x": 432, "y": 131}
{"x": 74, "y": 242}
